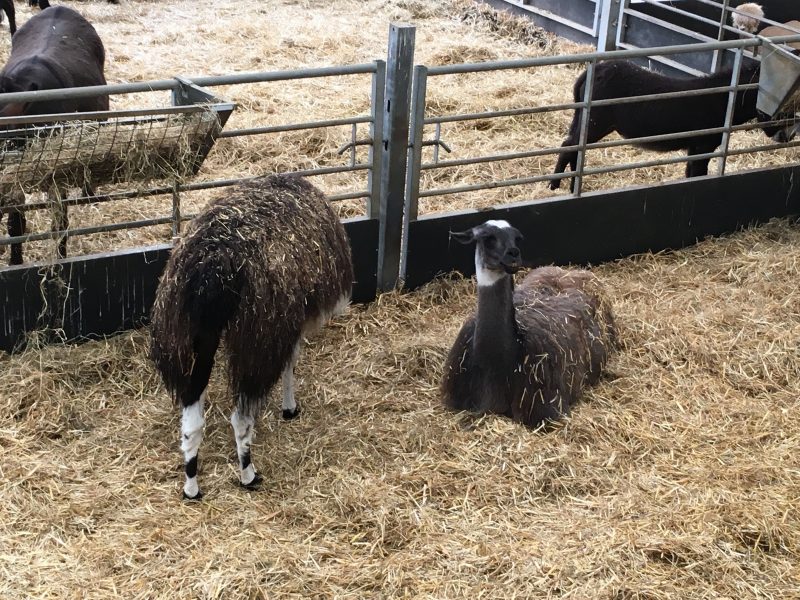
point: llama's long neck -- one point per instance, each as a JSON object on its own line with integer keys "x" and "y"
{"x": 496, "y": 330}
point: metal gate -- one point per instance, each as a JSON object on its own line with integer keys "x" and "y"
{"x": 98, "y": 294}
{"x": 587, "y": 227}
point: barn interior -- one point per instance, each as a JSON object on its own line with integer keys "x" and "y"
{"x": 675, "y": 477}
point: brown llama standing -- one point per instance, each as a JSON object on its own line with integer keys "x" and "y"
{"x": 259, "y": 268}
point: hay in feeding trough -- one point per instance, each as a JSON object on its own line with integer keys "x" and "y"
{"x": 131, "y": 150}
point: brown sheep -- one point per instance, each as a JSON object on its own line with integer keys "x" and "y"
{"x": 57, "y": 48}
{"x": 788, "y": 28}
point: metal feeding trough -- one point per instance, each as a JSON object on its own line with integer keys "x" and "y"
{"x": 112, "y": 147}
{"x": 779, "y": 82}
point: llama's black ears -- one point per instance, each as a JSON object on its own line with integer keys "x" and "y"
{"x": 463, "y": 237}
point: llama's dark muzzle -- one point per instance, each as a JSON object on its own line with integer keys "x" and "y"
{"x": 511, "y": 260}
{"x": 511, "y": 267}
{"x": 787, "y": 134}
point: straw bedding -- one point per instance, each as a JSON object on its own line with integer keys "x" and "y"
{"x": 675, "y": 477}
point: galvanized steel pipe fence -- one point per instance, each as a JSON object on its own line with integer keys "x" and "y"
{"x": 423, "y": 75}
{"x": 370, "y": 193}
{"x": 633, "y": 25}
{"x": 397, "y": 135}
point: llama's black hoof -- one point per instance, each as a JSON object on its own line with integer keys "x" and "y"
{"x": 253, "y": 485}
{"x": 554, "y": 185}
{"x": 195, "y": 498}
{"x": 289, "y": 414}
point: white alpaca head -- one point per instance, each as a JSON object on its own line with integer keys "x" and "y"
{"x": 748, "y": 22}
{"x": 496, "y": 251}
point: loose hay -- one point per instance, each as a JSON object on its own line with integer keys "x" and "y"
{"x": 507, "y": 25}
{"x": 675, "y": 478}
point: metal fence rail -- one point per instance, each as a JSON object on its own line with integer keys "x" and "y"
{"x": 422, "y": 82}
{"x": 557, "y": 13}
{"x": 578, "y": 20}
{"x": 370, "y": 193}
{"x": 634, "y": 24}
{"x": 389, "y": 175}
{"x": 634, "y": 28}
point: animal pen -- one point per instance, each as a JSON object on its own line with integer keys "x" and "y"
{"x": 395, "y": 237}
{"x": 675, "y": 477}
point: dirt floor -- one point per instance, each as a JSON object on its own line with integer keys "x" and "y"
{"x": 676, "y": 477}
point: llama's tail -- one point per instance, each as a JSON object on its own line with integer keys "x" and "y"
{"x": 211, "y": 292}
{"x": 196, "y": 299}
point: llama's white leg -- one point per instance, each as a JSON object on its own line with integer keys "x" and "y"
{"x": 243, "y": 429}
{"x": 192, "y": 423}
{"x": 290, "y": 409}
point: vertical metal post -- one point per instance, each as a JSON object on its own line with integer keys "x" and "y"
{"x": 415, "y": 160}
{"x": 621, "y": 22}
{"x": 726, "y": 135}
{"x": 585, "y": 115}
{"x": 716, "y": 61}
{"x": 353, "y": 138}
{"x": 395, "y": 130}
{"x": 610, "y": 18}
{"x": 598, "y": 11}
{"x": 176, "y": 210}
{"x": 376, "y": 133}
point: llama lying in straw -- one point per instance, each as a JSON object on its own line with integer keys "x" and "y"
{"x": 526, "y": 353}
{"x": 262, "y": 266}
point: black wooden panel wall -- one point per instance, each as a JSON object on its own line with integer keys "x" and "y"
{"x": 777, "y": 10}
{"x": 102, "y": 294}
{"x": 604, "y": 226}
{"x": 107, "y": 293}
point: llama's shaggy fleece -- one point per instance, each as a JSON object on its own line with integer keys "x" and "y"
{"x": 565, "y": 333}
{"x": 261, "y": 265}
{"x": 748, "y": 18}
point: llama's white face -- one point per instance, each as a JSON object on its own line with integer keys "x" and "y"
{"x": 496, "y": 251}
